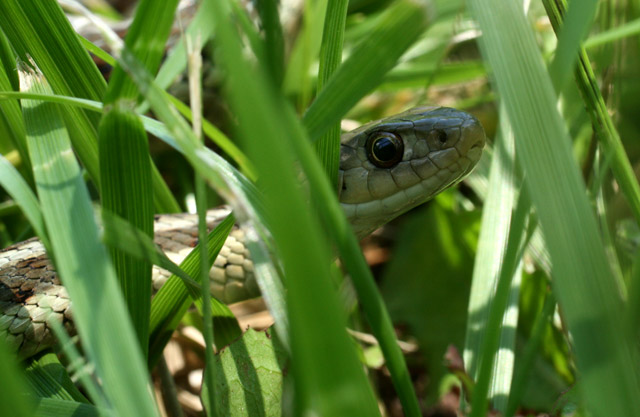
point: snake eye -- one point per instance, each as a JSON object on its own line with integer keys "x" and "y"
{"x": 384, "y": 149}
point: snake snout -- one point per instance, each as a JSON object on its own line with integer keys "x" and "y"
{"x": 472, "y": 139}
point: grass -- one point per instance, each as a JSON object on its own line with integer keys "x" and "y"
{"x": 549, "y": 215}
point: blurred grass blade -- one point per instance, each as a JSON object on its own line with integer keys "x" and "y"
{"x": 303, "y": 52}
{"x": 399, "y": 28}
{"x": 80, "y": 259}
{"x": 41, "y": 30}
{"x": 577, "y": 23}
{"x": 613, "y": 34}
{"x": 318, "y": 367}
{"x": 176, "y": 62}
{"x": 14, "y": 392}
{"x": 273, "y": 39}
{"x": 328, "y": 146}
{"x": 582, "y": 280}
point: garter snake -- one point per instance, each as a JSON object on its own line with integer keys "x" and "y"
{"x": 387, "y": 167}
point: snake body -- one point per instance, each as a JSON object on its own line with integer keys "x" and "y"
{"x": 386, "y": 168}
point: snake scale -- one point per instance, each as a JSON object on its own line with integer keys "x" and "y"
{"x": 386, "y": 168}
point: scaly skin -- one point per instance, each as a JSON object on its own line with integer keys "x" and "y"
{"x": 441, "y": 146}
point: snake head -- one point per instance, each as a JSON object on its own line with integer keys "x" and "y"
{"x": 391, "y": 165}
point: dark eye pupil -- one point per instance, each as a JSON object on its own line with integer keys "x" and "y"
{"x": 384, "y": 149}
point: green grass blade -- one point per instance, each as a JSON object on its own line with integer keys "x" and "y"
{"x": 145, "y": 38}
{"x": 80, "y": 259}
{"x": 321, "y": 365}
{"x": 14, "y": 394}
{"x": 493, "y": 245}
{"x": 174, "y": 298}
{"x": 328, "y": 146}
{"x": 53, "y": 407}
{"x": 399, "y": 28}
{"x": 600, "y": 116}
{"x": 11, "y": 123}
{"x": 19, "y": 190}
{"x": 120, "y": 234}
{"x": 613, "y": 34}
{"x": 125, "y": 163}
{"x": 578, "y": 20}
{"x": 582, "y": 280}
{"x": 40, "y": 29}
{"x": 49, "y": 379}
{"x": 493, "y": 377}
{"x": 125, "y": 173}
{"x": 273, "y": 40}
{"x": 226, "y": 180}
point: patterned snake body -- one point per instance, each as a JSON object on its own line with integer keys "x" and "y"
{"x": 386, "y": 168}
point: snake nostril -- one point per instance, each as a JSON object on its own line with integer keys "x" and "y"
{"x": 442, "y": 136}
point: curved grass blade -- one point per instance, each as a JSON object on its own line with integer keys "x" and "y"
{"x": 41, "y": 30}
{"x": 80, "y": 259}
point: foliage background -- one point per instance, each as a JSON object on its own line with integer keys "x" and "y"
{"x": 570, "y": 176}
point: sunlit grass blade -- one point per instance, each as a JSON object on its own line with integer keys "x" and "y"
{"x": 495, "y": 361}
{"x": 520, "y": 377}
{"x": 40, "y": 29}
{"x": 80, "y": 259}
{"x": 399, "y": 28}
{"x": 493, "y": 242}
{"x": 582, "y": 280}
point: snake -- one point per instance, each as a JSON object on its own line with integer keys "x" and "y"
{"x": 387, "y": 167}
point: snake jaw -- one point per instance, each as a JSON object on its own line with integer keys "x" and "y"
{"x": 441, "y": 146}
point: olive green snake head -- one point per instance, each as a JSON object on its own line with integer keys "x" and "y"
{"x": 386, "y": 168}
{"x": 392, "y": 165}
